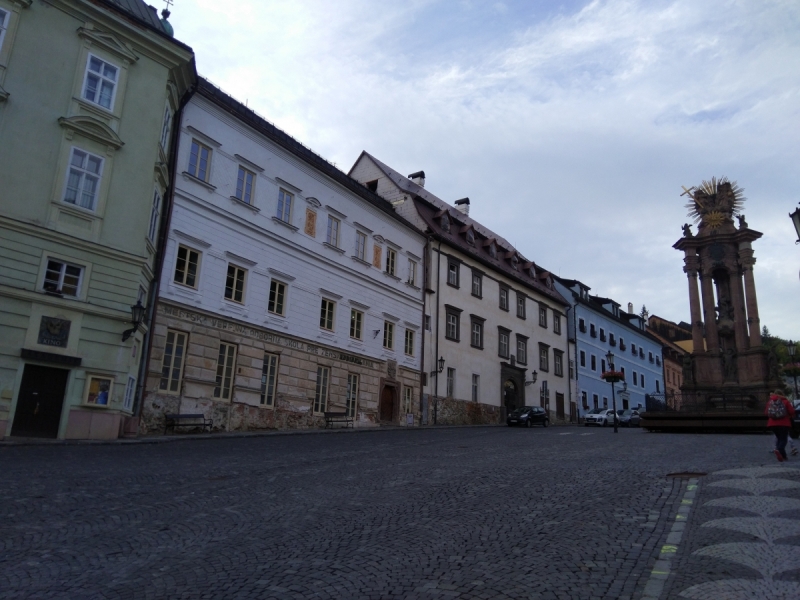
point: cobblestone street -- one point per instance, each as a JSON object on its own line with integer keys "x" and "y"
{"x": 491, "y": 512}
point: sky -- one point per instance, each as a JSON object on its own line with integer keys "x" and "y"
{"x": 571, "y": 126}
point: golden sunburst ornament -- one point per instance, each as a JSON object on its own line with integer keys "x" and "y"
{"x": 714, "y": 219}
{"x": 714, "y": 202}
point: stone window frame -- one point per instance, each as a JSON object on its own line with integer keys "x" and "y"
{"x": 503, "y": 333}
{"x": 408, "y": 342}
{"x": 327, "y": 314}
{"x": 476, "y": 321}
{"x": 452, "y": 320}
{"x": 522, "y": 344}
{"x": 321, "y": 390}
{"x": 356, "y": 324}
{"x": 388, "y": 335}
{"x": 521, "y": 305}
{"x": 351, "y": 395}
{"x": 391, "y": 261}
{"x": 543, "y": 315}
{"x": 87, "y": 72}
{"x": 63, "y": 265}
{"x": 226, "y": 371}
{"x": 274, "y": 289}
{"x": 477, "y": 283}
{"x": 269, "y": 369}
{"x": 558, "y": 362}
{"x": 195, "y": 171}
{"x": 453, "y": 272}
{"x": 236, "y": 271}
{"x": 242, "y": 195}
{"x": 503, "y": 300}
{"x": 544, "y": 357}
{"x": 165, "y": 384}
{"x": 361, "y": 246}
{"x": 556, "y": 323}
{"x": 185, "y": 274}
{"x": 451, "y": 382}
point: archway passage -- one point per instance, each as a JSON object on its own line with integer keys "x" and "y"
{"x": 41, "y": 396}
{"x": 387, "y": 404}
{"x": 510, "y": 396}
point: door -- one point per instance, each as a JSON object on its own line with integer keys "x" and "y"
{"x": 560, "y": 406}
{"x": 41, "y": 397}
{"x": 387, "y": 404}
{"x": 510, "y": 396}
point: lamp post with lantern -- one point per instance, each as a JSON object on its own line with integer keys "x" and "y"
{"x": 612, "y": 377}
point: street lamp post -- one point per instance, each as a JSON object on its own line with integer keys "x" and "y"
{"x": 612, "y": 377}
{"x": 792, "y": 348}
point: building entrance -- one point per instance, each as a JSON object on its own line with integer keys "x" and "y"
{"x": 40, "y": 400}
{"x": 387, "y": 404}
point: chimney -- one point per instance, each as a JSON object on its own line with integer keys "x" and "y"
{"x": 462, "y": 205}
{"x": 418, "y": 178}
{"x": 630, "y": 308}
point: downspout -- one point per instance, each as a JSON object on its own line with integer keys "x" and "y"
{"x": 577, "y": 365}
{"x": 436, "y": 367}
{"x": 425, "y": 287}
{"x": 166, "y": 220}
{"x": 569, "y": 379}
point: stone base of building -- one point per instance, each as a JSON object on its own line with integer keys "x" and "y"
{"x": 93, "y": 425}
{"x": 449, "y": 411}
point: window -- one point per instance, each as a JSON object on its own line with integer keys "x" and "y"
{"x": 558, "y": 363}
{"x": 641, "y": 352}
{"x": 603, "y": 365}
{"x": 244, "y": 185}
{"x": 351, "y": 399}
{"x": 522, "y": 350}
{"x": 556, "y": 324}
{"x": 332, "y": 236}
{"x": 451, "y": 382}
{"x": 595, "y": 400}
{"x": 476, "y": 334}
{"x": 3, "y": 26}
{"x": 651, "y": 357}
{"x": 234, "y": 284}
{"x": 477, "y": 284}
{"x": 602, "y": 335}
{"x": 622, "y": 345}
{"x": 225, "y": 364}
{"x": 361, "y": 245}
{"x": 199, "y": 161}
{"x": 452, "y": 273}
{"x": 172, "y": 363}
{"x": 284, "y": 205}
{"x": 321, "y": 391}
{"x": 409, "y": 342}
{"x": 63, "y": 278}
{"x": 542, "y": 315}
{"x": 520, "y": 305}
{"x": 388, "y": 335}
{"x": 83, "y": 179}
{"x": 594, "y": 363}
{"x": 427, "y": 322}
{"x": 412, "y": 272}
{"x": 544, "y": 357}
{"x": 269, "y": 379}
{"x": 611, "y": 339}
{"x": 452, "y": 325}
{"x": 622, "y": 370}
{"x": 583, "y": 358}
{"x": 407, "y": 398}
{"x": 476, "y": 384}
{"x": 131, "y": 387}
{"x": 658, "y": 386}
{"x": 100, "y": 82}
{"x": 391, "y": 261}
{"x": 582, "y": 325}
{"x": 658, "y": 361}
{"x": 166, "y": 126}
{"x": 635, "y": 378}
{"x": 633, "y": 349}
{"x": 503, "y": 336}
{"x": 641, "y": 379}
{"x": 356, "y": 323}
{"x": 326, "y": 314}
{"x": 503, "y": 297}
{"x": 592, "y": 330}
{"x": 277, "y": 297}
{"x": 152, "y": 231}
{"x": 605, "y": 401}
{"x": 186, "y": 267}
{"x": 585, "y": 400}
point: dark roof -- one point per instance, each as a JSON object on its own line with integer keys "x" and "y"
{"x": 456, "y": 237}
{"x": 143, "y": 14}
{"x": 250, "y": 118}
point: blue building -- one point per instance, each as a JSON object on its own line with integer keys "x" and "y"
{"x": 598, "y": 326}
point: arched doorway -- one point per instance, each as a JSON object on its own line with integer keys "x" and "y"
{"x": 510, "y": 396}
{"x": 387, "y": 404}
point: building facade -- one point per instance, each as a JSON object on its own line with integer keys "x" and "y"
{"x": 87, "y": 93}
{"x": 599, "y": 326}
{"x": 670, "y": 334}
{"x": 495, "y": 327}
{"x": 289, "y": 289}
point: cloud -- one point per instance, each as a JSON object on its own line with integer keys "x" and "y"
{"x": 571, "y": 127}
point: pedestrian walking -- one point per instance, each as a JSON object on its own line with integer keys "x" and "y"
{"x": 779, "y": 412}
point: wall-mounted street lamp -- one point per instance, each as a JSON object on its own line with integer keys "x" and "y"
{"x": 534, "y": 376}
{"x": 137, "y": 316}
{"x": 441, "y": 364}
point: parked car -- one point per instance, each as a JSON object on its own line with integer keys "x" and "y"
{"x": 528, "y": 416}
{"x": 628, "y": 418}
{"x": 603, "y": 417}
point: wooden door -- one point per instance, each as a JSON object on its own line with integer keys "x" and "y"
{"x": 560, "y": 406}
{"x": 387, "y": 404}
{"x": 41, "y": 396}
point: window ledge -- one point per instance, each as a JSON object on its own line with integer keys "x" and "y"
{"x": 412, "y": 286}
{"x": 332, "y": 247}
{"x": 277, "y": 322}
{"x": 361, "y": 260}
{"x": 326, "y": 335}
{"x": 189, "y": 177}
{"x": 78, "y": 210}
{"x": 390, "y": 276}
{"x": 243, "y": 203}
{"x": 285, "y": 224}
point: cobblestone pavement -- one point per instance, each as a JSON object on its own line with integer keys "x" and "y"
{"x": 566, "y": 512}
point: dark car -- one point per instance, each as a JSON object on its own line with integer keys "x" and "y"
{"x": 628, "y": 418}
{"x": 528, "y": 416}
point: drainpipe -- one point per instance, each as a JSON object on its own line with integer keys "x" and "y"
{"x": 577, "y": 365}
{"x": 569, "y": 379}
{"x": 425, "y": 273}
{"x": 436, "y": 353}
{"x": 155, "y": 284}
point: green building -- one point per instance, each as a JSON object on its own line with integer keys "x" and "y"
{"x": 88, "y": 93}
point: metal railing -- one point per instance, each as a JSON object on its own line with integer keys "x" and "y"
{"x": 709, "y": 401}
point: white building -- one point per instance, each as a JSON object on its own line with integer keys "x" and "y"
{"x": 288, "y": 288}
{"x": 493, "y": 316}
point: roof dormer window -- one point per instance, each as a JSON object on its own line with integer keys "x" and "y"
{"x": 471, "y": 236}
{"x": 444, "y": 222}
{"x": 493, "y": 250}
{"x": 515, "y": 262}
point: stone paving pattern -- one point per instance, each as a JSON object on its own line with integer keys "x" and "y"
{"x": 488, "y": 512}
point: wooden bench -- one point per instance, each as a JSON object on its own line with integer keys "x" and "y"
{"x": 332, "y": 417}
{"x": 186, "y": 420}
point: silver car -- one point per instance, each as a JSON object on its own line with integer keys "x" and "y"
{"x": 628, "y": 418}
{"x": 601, "y": 417}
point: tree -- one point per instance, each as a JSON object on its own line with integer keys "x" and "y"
{"x": 765, "y": 332}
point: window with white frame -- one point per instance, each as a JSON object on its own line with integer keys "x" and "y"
{"x": 225, "y": 371}
{"x": 522, "y": 349}
{"x": 451, "y": 330}
{"x": 361, "y": 245}
{"x": 556, "y": 323}
{"x": 583, "y": 358}
{"x": 351, "y": 399}
{"x": 269, "y": 379}
{"x": 83, "y": 179}
{"x": 326, "y": 312}
{"x": 234, "y": 283}
{"x": 284, "y": 205}
{"x": 412, "y": 272}
{"x": 63, "y": 278}
{"x": 388, "y": 335}
{"x": 558, "y": 363}
{"x": 542, "y": 315}
{"x": 100, "y": 82}
{"x": 451, "y": 382}
{"x": 477, "y": 284}
{"x": 476, "y": 339}
{"x": 321, "y": 390}
{"x": 130, "y": 389}
{"x": 584, "y": 400}
{"x": 172, "y": 362}
{"x": 333, "y": 231}
{"x": 407, "y": 399}
{"x": 503, "y": 297}
{"x": 635, "y": 378}
{"x": 166, "y": 127}
{"x": 503, "y": 336}
{"x": 155, "y": 211}
{"x": 409, "y": 342}
{"x": 544, "y": 357}
{"x": 186, "y": 265}
{"x": 4, "y": 18}
{"x": 245, "y": 181}
{"x": 356, "y": 324}
{"x": 476, "y": 384}
{"x": 452, "y": 272}
{"x": 199, "y": 161}
{"x": 520, "y": 305}
{"x": 391, "y": 261}
{"x": 277, "y": 298}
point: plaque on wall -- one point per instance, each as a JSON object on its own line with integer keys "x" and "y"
{"x": 54, "y": 332}
{"x": 391, "y": 369}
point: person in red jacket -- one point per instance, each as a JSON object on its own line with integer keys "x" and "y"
{"x": 780, "y": 413}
